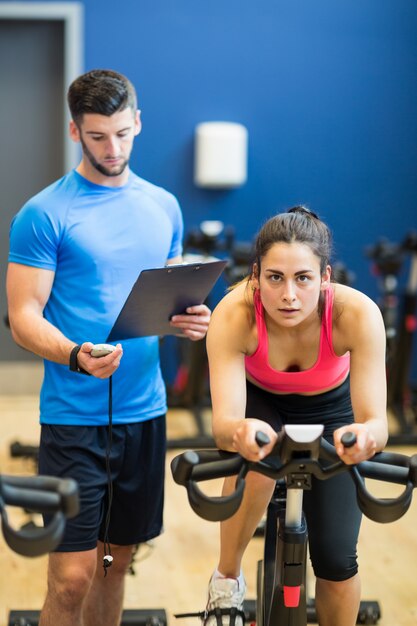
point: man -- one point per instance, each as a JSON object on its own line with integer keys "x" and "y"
{"x": 76, "y": 249}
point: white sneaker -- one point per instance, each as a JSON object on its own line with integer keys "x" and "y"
{"x": 225, "y": 593}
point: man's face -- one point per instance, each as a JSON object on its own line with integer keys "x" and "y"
{"x": 106, "y": 142}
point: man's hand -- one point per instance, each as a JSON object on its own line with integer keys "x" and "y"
{"x": 100, "y": 367}
{"x": 194, "y": 323}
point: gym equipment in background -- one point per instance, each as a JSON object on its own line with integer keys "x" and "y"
{"x": 189, "y": 389}
{"x": 399, "y": 312}
{"x": 38, "y": 494}
{"x": 58, "y": 497}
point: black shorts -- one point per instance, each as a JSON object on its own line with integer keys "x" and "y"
{"x": 332, "y": 408}
{"x": 137, "y": 465}
{"x": 332, "y": 513}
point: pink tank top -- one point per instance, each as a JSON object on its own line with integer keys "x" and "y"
{"x": 327, "y": 372}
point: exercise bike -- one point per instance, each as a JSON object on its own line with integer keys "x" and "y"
{"x": 299, "y": 454}
{"x": 59, "y": 499}
{"x": 38, "y": 494}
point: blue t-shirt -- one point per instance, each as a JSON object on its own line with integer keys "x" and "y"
{"x": 97, "y": 240}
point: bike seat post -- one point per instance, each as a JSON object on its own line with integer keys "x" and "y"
{"x": 294, "y": 508}
{"x": 305, "y": 441}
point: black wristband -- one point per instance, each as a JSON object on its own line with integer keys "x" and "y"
{"x": 73, "y": 361}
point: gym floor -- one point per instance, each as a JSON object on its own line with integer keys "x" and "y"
{"x": 172, "y": 573}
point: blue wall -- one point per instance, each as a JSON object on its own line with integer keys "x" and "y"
{"x": 327, "y": 90}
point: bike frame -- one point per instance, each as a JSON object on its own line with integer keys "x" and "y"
{"x": 283, "y": 598}
{"x": 281, "y": 577}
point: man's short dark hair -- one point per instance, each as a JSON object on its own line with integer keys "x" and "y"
{"x": 100, "y": 91}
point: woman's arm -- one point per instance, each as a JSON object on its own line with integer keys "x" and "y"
{"x": 228, "y": 340}
{"x": 362, "y": 325}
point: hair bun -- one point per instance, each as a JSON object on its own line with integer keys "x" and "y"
{"x": 303, "y": 210}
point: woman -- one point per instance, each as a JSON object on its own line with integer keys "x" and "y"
{"x": 290, "y": 346}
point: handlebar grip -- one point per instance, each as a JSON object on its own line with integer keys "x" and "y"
{"x": 215, "y": 508}
{"x": 261, "y": 438}
{"x": 68, "y": 490}
{"x": 348, "y": 439}
{"x": 45, "y": 494}
{"x": 182, "y": 466}
{"x": 190, "y": 467}
{"x": 18, "y": 450}
{"x": 382, "y": 510}
{"x": 34, "y": 541}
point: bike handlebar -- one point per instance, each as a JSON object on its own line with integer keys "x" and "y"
{"x": 297, "y": 461}
{"x": 40, "y": 494}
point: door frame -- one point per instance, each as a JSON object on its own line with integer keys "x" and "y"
{"x": 72, "y": 16}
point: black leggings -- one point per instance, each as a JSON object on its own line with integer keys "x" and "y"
{"x": 333, "y": 516}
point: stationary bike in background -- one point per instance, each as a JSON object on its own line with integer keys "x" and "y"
{"x": 38, "y": 494}
{"x": 190, "y": 387}
{"x": 399, "y": 311}
{"x": 299, "y": 454}
{"x": 59, "y": 498}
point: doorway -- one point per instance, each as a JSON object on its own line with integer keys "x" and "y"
{"x": 41, "y": 52}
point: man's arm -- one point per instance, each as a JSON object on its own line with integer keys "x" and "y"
{"x": 28, "y": 291}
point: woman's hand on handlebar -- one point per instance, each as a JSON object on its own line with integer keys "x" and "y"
{"x": 364, "y": 448}
{"x": 244, "y": 439}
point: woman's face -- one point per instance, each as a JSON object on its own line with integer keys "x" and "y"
{"x": 290, "y": 283}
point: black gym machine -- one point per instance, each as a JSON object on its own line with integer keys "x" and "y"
{"x": 190, "y": 388}
{"x": 400, "y": 317}
{"x": 58, "y": 498}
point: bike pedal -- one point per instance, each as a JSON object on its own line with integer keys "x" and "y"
{"x": 249, "y": 609}
{"x": 369, "y": 612}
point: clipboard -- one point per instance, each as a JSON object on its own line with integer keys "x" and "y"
{"x": 162, "y": 292}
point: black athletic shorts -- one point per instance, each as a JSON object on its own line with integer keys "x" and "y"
{"x": 332, "y": 513}
{"x": 137, "y": 465}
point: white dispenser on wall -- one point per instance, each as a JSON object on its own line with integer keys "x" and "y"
{"x": 221, "y": 155}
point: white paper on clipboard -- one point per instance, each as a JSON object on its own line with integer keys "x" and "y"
{"x": 160, "y": 293}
